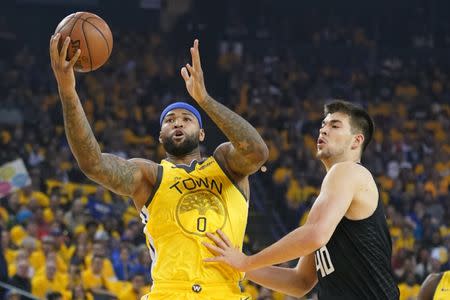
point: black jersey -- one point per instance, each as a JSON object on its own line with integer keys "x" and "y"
{"x": 356, "y": 261}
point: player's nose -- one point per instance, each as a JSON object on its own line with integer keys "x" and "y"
{"x": 177, "y": 123}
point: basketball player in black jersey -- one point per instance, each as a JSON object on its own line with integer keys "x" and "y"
{"x": 344, "y": 246}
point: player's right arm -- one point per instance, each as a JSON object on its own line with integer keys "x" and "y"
{"x": 429, "y": 286}
{"x": 133, "y": 177}
{"x": 295, "y": 282}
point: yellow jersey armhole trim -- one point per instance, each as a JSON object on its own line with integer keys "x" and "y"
{"x": 159, "y": 176}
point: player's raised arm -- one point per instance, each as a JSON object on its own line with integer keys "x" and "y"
{"x": 122, "y": 176}
{"x": 246, "y": 151}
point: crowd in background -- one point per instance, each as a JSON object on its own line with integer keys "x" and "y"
{"x": 66, "y": 234}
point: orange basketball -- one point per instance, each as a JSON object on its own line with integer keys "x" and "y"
{"x": 91, "y": 34}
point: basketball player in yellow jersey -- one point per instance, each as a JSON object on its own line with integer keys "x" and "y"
{"x": 436, "y": 287}
{"x": 185, "y": 196}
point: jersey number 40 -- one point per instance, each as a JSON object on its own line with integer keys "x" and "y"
{"x": 323, "y": 262}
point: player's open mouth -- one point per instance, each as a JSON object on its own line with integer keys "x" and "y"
{"x": 178, "y": 135}
{"x": 320, "y": 141}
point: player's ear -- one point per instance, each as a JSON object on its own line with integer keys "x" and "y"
{"x": 201, "y": 135}
{"x": 358, "y": 140}
{"x": 160, "y": 139}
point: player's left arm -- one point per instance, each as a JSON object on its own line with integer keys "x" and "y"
{"x": 337, "y": 191}
{"x": 246, "y": 152}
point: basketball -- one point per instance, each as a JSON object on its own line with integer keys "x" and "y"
{"x": 91, "y": 34}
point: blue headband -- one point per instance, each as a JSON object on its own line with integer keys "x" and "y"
{"x": 182, "y": 105}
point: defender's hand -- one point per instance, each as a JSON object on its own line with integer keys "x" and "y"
{"x": 227, "y": 253}
{"x": 193, "y": 76}
{"x": 62, "y": 68}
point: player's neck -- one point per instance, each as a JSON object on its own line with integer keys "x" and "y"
{"x": 185, "y": 159}
{"x": 331, "y": 161}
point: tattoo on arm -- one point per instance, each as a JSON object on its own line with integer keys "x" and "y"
{"x": 84, "y": 146}
{"x": 244, "y": 137}
{"x": 117, "y": 174}
{"x": 113, "y": 172}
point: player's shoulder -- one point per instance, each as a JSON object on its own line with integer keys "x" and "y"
{"x": 149, "y": 168}
{"x": 139, "y": 160}
{"x": 222, "y": 150}
{"x": 350, "y": 167}
{"x": 351, "y": 170}
{"x": 146, "y": 164}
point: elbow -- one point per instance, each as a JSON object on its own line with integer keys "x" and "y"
{"x": 303, "y": 288}
{"x": 88, "y": 169}
{"x": 261, "y": 154}
{"x": 297, "y": 292}
{"x": 320, "y": 239}
{"x": 303, "y": 284}
{"x": 264, "y": 153}
{"x": 91, "y": 164}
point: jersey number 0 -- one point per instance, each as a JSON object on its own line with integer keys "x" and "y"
{"x": 201, "y": 224}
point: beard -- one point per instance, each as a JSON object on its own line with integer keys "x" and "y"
{"x": 328, "y": 152}
{"x": 189, "y": 143}
{"x": 323, "y": 154}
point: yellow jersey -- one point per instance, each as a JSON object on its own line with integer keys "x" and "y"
{"x": 186, "y": 203}
{"x": 40, "y": 285}
{"x": 443, "y": 289}
{"x": 408, "y": 292}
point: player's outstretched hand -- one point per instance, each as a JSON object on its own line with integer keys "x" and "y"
{"x": 193, "y": 76}
{"x": 226, "y": 253}
{"x": 62, "y": 68}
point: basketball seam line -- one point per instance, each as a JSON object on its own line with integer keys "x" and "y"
{"x": 93, "y": 25}
{"x": 74, "y": 23}
{"x": 87, "y": 43}
{"x": 73, "y": 26}
{"x": 65, "y": 24}
{"x": 99, "y": 31}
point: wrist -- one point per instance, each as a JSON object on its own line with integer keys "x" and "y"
{"x": 250, "y": 263}
{"x": 204, "y": 99}
{"x": 66, "y": 92}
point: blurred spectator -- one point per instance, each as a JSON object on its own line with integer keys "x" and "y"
{"x": 99, "y": 250}
{"x": 409, "y": 289}
{"x": 21, "y": 279}
{"x": 123, "y": 265}
{"x": 143, "y": 264}
{"x": 137, "y": 288}
{"x": 93, "y": 279}
{"x": 49, "y": 281}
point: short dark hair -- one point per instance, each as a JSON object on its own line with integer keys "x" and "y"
{"x": 360, "y": 121}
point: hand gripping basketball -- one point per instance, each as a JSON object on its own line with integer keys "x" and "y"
{"x": 62, "y": 68}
